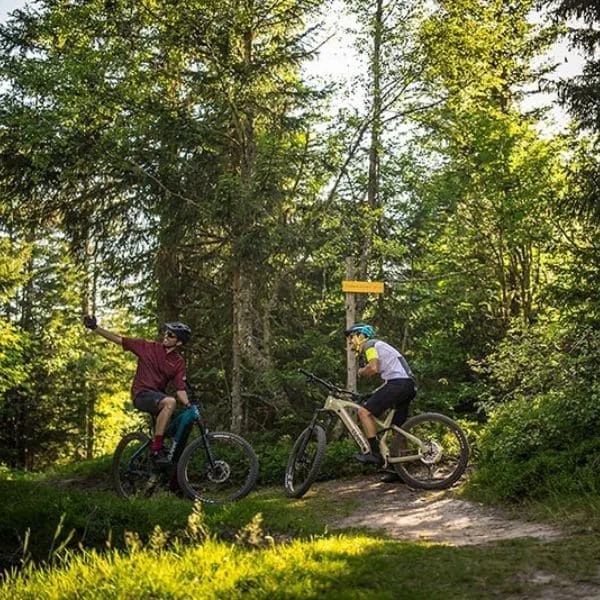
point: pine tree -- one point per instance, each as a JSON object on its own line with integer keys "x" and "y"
{"x": 580, "y": 95}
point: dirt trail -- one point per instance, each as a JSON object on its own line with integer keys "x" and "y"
{"x": 408, "y": 514}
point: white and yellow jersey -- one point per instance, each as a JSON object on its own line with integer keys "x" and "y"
{"x": 392, "y": 365}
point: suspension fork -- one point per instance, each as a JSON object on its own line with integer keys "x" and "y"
{"x": 311, "y": 428}
{"x": 206, "y": 444}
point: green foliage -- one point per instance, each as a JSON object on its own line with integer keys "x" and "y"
{"x": 51, "y": 405}
{"x": 579, "y": 95}
{"x": 339, "y": 461}
{"x": 13, "y": 340}
{"x": 13, "y": 345}
{"x": 156, "y": 165}
{"x": 543, "y": 403}
{"x": 273, "y": 456}
{"x": 114, "y": 415}
{"x": 486, "y": 190}
{"x": 534, "y": 447}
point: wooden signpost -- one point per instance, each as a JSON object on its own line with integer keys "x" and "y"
{"x": 351, "y": 287}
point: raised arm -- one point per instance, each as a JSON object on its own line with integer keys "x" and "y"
{"x": 91, "y": 323}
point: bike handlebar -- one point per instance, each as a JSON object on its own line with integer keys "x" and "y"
{"x": 331, "y": 386}
{"x": 192, "y": 394}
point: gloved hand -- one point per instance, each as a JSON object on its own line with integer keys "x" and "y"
{"x": 90, "y": 322}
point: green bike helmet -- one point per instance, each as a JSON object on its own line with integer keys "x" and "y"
{"x": 363, "y": 328}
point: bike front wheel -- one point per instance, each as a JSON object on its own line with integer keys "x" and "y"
{"x": 305, "y": 461}
{"x": 442, "y": 457}
{"x": 133, "y": 473}
{"x": 217, "y": 468}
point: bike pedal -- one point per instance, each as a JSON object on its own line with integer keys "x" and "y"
{"x": 160, "y": 458}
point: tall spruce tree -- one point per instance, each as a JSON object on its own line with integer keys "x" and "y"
{"x": 580, "y": 95}
{"x": 171, "y": 142}
{"x": 491, "y": 186}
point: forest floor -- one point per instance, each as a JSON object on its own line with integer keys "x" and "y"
{"x": 399, "y": 512}
{"x": 402, "y": 513}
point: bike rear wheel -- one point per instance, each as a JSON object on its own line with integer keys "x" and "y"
{"x": 133, "y": 473}
{"x": 443, "y": 460}
{"x": 231, "y": 475}
{"x": 305, "y": 461}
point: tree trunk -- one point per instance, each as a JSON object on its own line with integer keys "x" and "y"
{"x": 350, "y": 319}
{"x": 237, "y": 408}
{"x": 373, "y": 199}
{"x": 88, "y": 303}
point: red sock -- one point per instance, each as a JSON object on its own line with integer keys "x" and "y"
{"x": 156, "y": 443}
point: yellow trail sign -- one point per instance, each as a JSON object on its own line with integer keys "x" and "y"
{"x": 362, "y": 287}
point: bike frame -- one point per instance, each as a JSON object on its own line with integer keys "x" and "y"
{"x": 179, "y": 430}
{"x": 340, "y": 407}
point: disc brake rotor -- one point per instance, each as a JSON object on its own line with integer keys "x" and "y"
{"x": 220, "y": 472}
{"x": 431, "y": 453}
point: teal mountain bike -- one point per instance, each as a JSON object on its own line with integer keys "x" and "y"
{"x": 214, "y": 467}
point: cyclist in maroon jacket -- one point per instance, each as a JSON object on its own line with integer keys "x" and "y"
{"x": 158, "y": 364}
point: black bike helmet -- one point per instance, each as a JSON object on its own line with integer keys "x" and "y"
{"x": 180, "y": 330}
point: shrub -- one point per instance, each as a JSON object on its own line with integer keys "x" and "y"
{"x": 534, "y": 448}
{"x": 273, "y": 458}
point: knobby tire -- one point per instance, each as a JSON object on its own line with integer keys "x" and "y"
{"x": 304, "y": 461}
{"x": 448, "y": 444}
{"x": 234, "y": 474}
{"x": 134, "y": 476}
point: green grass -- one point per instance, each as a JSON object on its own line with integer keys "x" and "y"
{"x": 49, "y": 518}
{"x": 62, "y": 509}
{"x": 336, "y": 566}
{"x": 89, "y": 544}
{"x": 576, "y": 512}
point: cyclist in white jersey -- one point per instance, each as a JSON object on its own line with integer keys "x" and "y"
{"x": 397, "y": 390}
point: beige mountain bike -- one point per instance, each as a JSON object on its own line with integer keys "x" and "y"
{"x": 430, "y": 450}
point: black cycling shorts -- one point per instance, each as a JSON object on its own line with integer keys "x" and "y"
{"x": 147, "y": 401}
{"x": 395, "y": 393}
